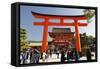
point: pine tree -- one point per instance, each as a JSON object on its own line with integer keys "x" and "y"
{"x": 23, "y": 39}
{"x": 89, "y": 13}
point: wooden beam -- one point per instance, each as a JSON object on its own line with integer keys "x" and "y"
{"x": 41, "y": 15}
{"x": 59, "y": 24}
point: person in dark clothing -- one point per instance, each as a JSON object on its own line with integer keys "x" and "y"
{"x": 57, "y": 53}
{"x": 32, "y": 59}
{"x": 35, "y": 55}
{"x": 76, "y": 55}
{"x": 24, "y": 56}
{"x": 68, "y": 55}
{"x": 88, "y": 54}
{"x": 50, "y": 53}
{"x": 71, "y": 54}
{"x": 62, "y": 56}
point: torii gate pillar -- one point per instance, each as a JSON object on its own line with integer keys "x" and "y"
{"x": 45, "y": 34}
{"x": 78, "y": 44}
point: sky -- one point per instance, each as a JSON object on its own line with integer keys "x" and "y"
{"x": 35, "y": 33}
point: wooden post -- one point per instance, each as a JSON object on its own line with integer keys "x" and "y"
{"x": 45, "y": 36}
{"x": 78, "y": 45}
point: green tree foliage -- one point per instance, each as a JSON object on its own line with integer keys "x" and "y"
{"x": 23, "y": 39}
{"x": 86, "y": 42}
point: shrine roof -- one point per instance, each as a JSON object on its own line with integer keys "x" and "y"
{"x": 61, "y": 32}
{"x": 53, "y": 34}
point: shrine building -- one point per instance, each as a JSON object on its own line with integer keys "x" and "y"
{"x": 61, "y": 37}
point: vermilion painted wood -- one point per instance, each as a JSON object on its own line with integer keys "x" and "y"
{"x": 59, "y": 24}
{"x": 59, "y": 17}
{"x": 78, "y": 45}
{"x": 45, "y": 36}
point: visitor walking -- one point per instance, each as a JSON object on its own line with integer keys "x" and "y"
{"x": 35, "y": 56}
{"x": 62, "y": 56}
{"x": 50, "y": 53}
{"x": 76, "y": 55}
{"x": 88, "y": 54}
{"x": 44, "y": 56}
{"x": 58, "y": 53}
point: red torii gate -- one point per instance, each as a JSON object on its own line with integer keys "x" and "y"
{"x": 46, "y": 23}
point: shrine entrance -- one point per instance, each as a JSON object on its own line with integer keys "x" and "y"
{"x": 62, "y": 38}
{"x": 47, "y": 23}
